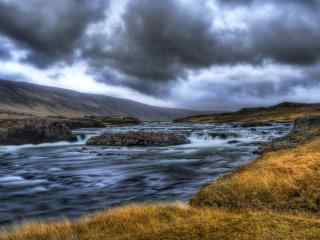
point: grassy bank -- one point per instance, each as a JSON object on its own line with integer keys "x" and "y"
{"x": 286, "y": 177}
{"x": 275, "y": 197}
{"x": 175, "y": 222}
{"x": 281, "y": 180}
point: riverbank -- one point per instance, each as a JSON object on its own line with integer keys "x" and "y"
{"x": 285, "y": 178}
{"x": 275, "y": 197}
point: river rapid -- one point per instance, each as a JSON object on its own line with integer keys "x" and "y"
{"x": 63, "y": 179}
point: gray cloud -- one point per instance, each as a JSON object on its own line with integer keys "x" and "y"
{"x": 290, "y": 36}
{"x": 5, "y": 49}
{"x": 157, "y": 44}
{"x": 160, "y": 41}
{"x": 309, "y": 3}
{"x": 4, "y": 53}
{"x": 226, "y": 88}
{"x": 50, "y": 29}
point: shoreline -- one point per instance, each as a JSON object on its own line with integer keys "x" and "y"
{"x": 283, "y": 178}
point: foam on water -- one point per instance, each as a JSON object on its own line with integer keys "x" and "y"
{"x": 205, "y": 140}
{"x": 10, "y": 179}
{"x": 19, "y": 181}
{"x": 15, "y": 148}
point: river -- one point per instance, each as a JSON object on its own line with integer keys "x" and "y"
{"x": 56, "y": 180}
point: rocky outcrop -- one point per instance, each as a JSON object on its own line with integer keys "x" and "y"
{"x": 74, "y": 123}
{"x": 138, "y": 139}
{"x": 97, "y": 121}
{"x": 35, "y": 131}
{"x": 52, "y": 129}
{"x": 304, "y": 130}
{"x": 223, "y": 135}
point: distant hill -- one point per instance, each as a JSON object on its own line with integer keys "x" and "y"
{"x": 20, "y": 99}
{"x": 284, "y": 112}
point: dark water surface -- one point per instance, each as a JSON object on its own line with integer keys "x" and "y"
{"x": 69, "y": 180}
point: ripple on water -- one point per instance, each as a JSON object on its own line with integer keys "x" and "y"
{"x": 20, "y": 182}
{"x": 10, "y": 179}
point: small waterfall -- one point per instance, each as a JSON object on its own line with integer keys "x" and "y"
{"x": 81, "y": 140}
{"x": 205, "y": 139}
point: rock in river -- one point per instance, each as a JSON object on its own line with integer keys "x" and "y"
{"x": 305, "y": 129}
{"x": 35, "y": 131}
{"x": 138, "y": 139}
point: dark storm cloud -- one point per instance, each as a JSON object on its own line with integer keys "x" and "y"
{"x": 158, "y": 43}
{"x": 155, "y": 40}
{"x": 50, "y": 29}
{"x": 288, "y": 34}
{"x": 291, "y": 35}
{"x": 161, "y": 40}
{"x": 163, "y": 36}
{"x": 246, "y": 86}
{"x": 307, "y": 3}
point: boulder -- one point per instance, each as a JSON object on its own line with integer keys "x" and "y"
{"x": 224, "y": 135}
{"x": 138, "y": 139}
{"x": 304, "y": 130}
{"x": 35, "y": 131}
{"x": 307, "y": 124}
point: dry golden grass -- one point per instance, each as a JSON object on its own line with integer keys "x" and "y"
{"x": 259, "y": 117}
{"x": 280, "y": 113}
{"x": 173, "y": 222}
{"x": 281, "y": 180}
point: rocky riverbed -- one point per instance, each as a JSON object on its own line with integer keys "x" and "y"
{"x": 35, "y": 130}
{"x": 65, "y": 179}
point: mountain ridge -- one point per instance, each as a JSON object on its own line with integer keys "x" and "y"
{"x": 22, "y": 99}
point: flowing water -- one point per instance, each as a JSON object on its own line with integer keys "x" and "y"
{"x": 70, "y": 179}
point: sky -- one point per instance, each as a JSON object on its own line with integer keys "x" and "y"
{"x": 198, "y": 54}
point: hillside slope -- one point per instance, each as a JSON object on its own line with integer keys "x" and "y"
{"x": 25, "y": 99}
{"x": 284, "y": 113}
